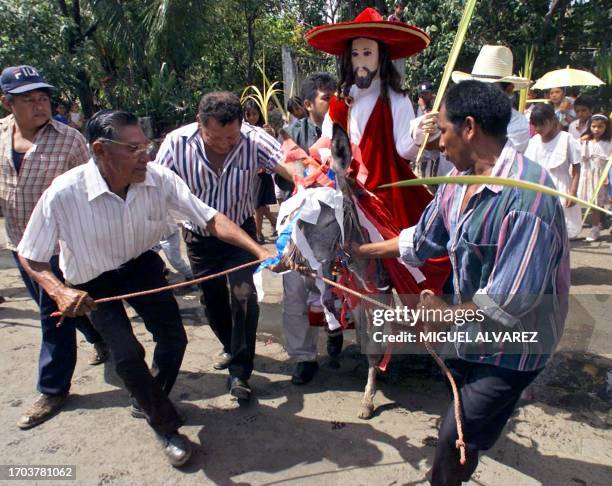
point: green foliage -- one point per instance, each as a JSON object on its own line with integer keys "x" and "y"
{"x": 157, "y": 57}
{"x": 31, "y": 33}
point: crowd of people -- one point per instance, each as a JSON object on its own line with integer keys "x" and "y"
{"x": 85, "y": 204}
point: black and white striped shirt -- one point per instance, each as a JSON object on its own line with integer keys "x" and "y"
{"x": 229, "y": 193}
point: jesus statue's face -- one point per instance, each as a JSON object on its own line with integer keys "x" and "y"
{"x": 365, "y": 61}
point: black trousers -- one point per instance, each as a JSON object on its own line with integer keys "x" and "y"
{"x": 162, "y": 319}
{"x": 233, "y": 316}
{"x": 489, "y": 395}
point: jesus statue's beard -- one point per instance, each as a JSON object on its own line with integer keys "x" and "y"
{"x": 364, "y": 82}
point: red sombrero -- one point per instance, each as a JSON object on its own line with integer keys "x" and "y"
{"x": 403, "y": 40}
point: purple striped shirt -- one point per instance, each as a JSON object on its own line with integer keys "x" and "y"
{"x": 510, "y": 256}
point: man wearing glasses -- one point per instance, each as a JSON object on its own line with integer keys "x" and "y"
{"x": 107, "y": 214}
{"x": 34, "y": 149}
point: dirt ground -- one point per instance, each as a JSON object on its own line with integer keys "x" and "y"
{"x": 560, "y": 435}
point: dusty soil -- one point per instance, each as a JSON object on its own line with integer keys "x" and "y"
{"x": 311, "y": 435}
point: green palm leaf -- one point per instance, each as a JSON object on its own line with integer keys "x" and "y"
{"x": 498, "y": 181}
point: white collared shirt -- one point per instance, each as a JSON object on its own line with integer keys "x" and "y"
{"x": 364, "y": 101}
{"x": 518, "y": 131}
{"x": 97, "y": 230}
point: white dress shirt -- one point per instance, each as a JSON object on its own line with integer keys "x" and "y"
{"x": 363, "y": 104}
{"x": 97, "y": 230}
{"x": 518, "y": 131}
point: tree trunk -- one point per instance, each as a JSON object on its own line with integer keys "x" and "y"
{"x": 250, "y": 20}
{"x": 75, "y": 39}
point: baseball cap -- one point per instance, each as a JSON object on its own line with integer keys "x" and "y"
{"x": 424, "y": 87}
{"x": 21, "y": 79}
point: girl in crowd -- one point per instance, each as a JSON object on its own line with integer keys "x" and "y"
{"x": 559, "y": 153}
{"x": 75, "y": 118}
{"x": 595, "y": 153}
{"x": 263, "y": 187}
{"x": 563, "y": 106}
{"x": 583, "y": 106}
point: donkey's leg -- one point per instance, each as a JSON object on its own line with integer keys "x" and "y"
{"x": 367, "y": 403}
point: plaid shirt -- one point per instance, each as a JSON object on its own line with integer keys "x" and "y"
{"x": 510, "y": 256}
{"x": 56, "y": 149}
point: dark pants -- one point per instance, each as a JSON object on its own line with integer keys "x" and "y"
{"x": 233, "y": 318}
{"x": 489, "y": 395}
{"x": 162, "y": 319}
{"x": 58, "y": 350}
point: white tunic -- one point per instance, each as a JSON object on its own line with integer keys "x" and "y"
{"x": 362, "y": 107}
{"x": 558, "y": 156}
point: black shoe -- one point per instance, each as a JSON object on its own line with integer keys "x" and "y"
{"x": 176, "y": 447}
{"x": 223, "y": 361}
{"x": 304, "y": 372}
{"x": 139, "y": 413}
{"x": 334, "y": 343}
{"x": 239, "y": 388}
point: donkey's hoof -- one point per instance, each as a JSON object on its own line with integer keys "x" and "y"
{"x": 366, "y": 412}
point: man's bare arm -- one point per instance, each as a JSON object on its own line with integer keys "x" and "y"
{"x": 225, "y": 229}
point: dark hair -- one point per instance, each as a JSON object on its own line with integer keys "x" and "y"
{"x": 486, "y": 103}
{"x": 294, "y": 103}
{"x": 607, "y": 135}
{"x": 389, "y": 77}
{"x": 316, "y": 82}
{"x": 106, "y": 124}
{"x": 223, "y": 106}
{"x": 251, "y": 105}
{"x": 586, "y": 101}
{"x": 541, "y": 113}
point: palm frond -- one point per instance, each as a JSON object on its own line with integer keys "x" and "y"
{"x": 498, "y": 181}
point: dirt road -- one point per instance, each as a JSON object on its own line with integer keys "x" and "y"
{"x": 311, "y": 435}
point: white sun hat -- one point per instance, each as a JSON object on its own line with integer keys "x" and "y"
{"x": 493, "y": 65}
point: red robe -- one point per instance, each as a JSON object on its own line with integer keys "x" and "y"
{"x": 395, "y": 208}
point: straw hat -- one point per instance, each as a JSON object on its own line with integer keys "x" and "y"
{"x": 493, "y": 65}
{"x": 402, "y": 40}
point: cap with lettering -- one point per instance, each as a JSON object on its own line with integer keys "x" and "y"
{"x": 21, "y": 79}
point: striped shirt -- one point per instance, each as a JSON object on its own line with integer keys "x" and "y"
{"x": 56, "y": 149}
{"x": 97, "y": 230}
{"x": 230, "y": 193}
{"x": 510, "y": 256}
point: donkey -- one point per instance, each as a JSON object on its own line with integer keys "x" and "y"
{"x": 327, "y": 239}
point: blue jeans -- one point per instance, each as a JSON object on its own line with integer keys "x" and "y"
{"x": 58, "y": 349}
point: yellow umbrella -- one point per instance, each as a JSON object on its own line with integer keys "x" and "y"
{"x": 567, "y": 77}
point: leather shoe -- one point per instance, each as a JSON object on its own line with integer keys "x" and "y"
{"x": 334, "y": 343}
{"x": 176, "y": 448}
{"x": 41, "y": 410}
{"x": 304, "y": 372}
{"x": 223, "y": 362}
{"x": 99, "y": 353}
{"x": 239, "y": 388}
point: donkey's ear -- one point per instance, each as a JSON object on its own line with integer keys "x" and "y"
{"x": 341, "y": 147}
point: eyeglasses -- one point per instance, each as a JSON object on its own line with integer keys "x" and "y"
{"x": 138, "y": 150}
